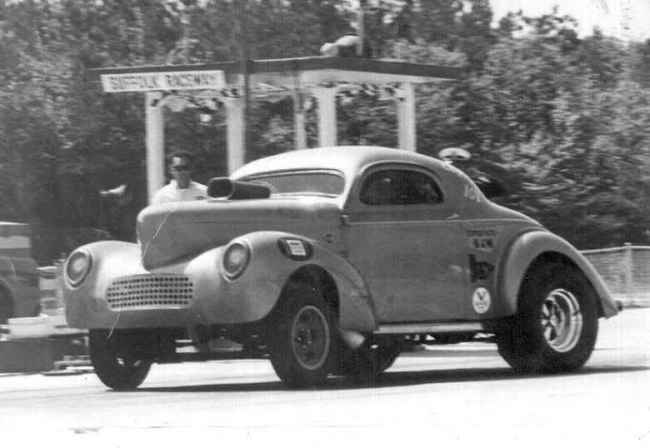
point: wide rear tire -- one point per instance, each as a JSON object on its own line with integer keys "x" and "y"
{"x": 556, "y": 326}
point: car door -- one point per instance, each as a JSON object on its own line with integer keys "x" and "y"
{"x": 404, "y": 238}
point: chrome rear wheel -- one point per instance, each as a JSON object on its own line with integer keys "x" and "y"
{"x": 556, "y": 325}
{"x": 561, "y": 320}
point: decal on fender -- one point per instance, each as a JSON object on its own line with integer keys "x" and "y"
{"x": 482, "y": 239}
{"x": 296, "y": 248}
{"x": 471, "y": 193}
{"x": 481, "y": 300}
{"x": 479, "y": 270}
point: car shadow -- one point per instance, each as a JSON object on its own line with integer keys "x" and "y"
{"x": 396, "y": 379}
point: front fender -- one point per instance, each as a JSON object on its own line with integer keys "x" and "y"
{"x": 270, "y": 269}
{"x": 529, "y": 246}
{"x": 110, "y": 259}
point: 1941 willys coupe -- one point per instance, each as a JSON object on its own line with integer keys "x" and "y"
{"x": 331, "y": 261}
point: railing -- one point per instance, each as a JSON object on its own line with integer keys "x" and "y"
{"x": 626, "y": 270}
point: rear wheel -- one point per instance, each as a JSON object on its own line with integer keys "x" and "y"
{"x": 302, "y": 345}
{"x": 556, "y": 326}
{"x": 113, "y": 364}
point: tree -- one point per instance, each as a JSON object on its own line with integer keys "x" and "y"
{"x": 563, "y": 118}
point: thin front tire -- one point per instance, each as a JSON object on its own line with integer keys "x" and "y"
{"x": 302, "y": 340}
{"x": 116, "y": 368}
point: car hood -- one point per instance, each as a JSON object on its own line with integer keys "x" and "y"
{"x": 170, "y": 232}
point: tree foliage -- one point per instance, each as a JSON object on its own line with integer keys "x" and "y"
{"x": 563, "y": 119}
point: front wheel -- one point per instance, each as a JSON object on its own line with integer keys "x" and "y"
{"x": 556, "y": 326}
{"x": 302, "y": 345}
{"x": 114, "y": 365}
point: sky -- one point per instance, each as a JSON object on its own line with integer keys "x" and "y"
{"x": 625, "y": 19}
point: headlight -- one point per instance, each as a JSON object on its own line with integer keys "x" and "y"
{"x": 235, "y": 259}
{"x": 77, "y": 267}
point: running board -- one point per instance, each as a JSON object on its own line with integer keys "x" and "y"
{"x": 442, "y": 327}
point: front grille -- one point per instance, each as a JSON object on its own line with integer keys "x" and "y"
{"x": 149, "y": 291}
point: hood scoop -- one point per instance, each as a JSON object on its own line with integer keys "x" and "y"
{"x": 223, "y": 187}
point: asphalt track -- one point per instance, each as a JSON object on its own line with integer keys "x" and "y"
{"x": 458, "y": 395}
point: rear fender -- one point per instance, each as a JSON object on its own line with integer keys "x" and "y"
{"x": 270, "y": 270}
{"x": 529, "y": 247}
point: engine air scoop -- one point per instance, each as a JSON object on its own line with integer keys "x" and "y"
{"x": 223, "y": 187}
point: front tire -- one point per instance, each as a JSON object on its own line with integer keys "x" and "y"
{"x": 556, "y": 326}
{"x": 116, "y": 369}
{"x": 302, "y": 343}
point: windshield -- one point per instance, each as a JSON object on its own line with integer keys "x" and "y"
{"x": 328, "y": 183}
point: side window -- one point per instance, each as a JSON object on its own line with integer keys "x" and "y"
{"x": 399, "y": 187}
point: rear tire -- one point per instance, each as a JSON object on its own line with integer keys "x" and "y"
{"x": 556, "y": 326}
{"x": 116, "y": 368}
{"x": 302, "y": 342}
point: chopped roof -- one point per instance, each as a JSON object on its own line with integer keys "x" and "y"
{"x": 347, "y": 159}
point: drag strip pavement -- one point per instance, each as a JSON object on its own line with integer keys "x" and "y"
{"x": 450, "y": 395}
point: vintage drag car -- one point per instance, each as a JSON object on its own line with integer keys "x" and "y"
{"x": 331, "y": 261}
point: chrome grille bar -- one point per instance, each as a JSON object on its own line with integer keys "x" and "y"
{"x": 150, "y": 291}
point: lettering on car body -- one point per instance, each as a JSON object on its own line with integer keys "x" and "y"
{"x": 482, "y": 239}
{"x": 471, "y": 193}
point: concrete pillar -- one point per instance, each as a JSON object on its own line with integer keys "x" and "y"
{"x": 235, "y": 133}
{"x": 406, "y": 117}
{"x": 299, "y": 120}
{"x": 326, "y": 97}
{"x": 155, "y": 143}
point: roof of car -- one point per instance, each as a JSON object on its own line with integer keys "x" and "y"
{"x": 347, "y": 159}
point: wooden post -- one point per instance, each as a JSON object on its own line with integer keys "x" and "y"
{"x": 299, "y": 120}
{"x": 155, "y": 143}
{"x": 406, "y": 118}
{"x": 235, "y": 132}
{"x": 326, "y": 97}
{"x": 244, "y": 66}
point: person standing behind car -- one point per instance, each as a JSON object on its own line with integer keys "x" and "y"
{"x": 181, "y": 187}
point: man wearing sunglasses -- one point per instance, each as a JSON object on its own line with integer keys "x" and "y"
{"x": 181, "y": 187}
